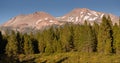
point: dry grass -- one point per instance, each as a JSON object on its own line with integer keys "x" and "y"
{"x": 74, "y": 57}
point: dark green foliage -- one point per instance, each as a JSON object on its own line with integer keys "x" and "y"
{"x": 41, "y": 43}
{"x": 84, "y": 38}
{"x": 20, "y": 40}
{"x": 34, "y": 43}
{"x": 105, "y": 38}
{"x": 28, "y": 46}
{"x": 48, "y": 38}
{"x": 95, "y": 33}
{"x": 12, "y": 45}
{"x": 90, "y": 39}
{"x": 57, "y": 44}
{"x": 1, "y": 40}
{"x": 95, "y": 29}
{"x": 1, "y": 44}
{"x": 116, "y": 36}
{"x": 66, "y": 38}
{"x": 101, "y": 38}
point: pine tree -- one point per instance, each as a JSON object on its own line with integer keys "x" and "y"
{"x": 41, "y": 43}
{"x": 1, "y": 43}
{"x": 84, "y": 38}
{"x": 28, "y": 46}
{"x": 110, "y": 21}
{"x": 20, "y": 40}
{"x": 34, "y": 42}
{"x": 96, "y": 28}
{"x": 78, "y": 37}
{"x": 66, "y": 38}
{"x": 12, "y": 45}
{"x": 105, "y": 39}
{"x": 91, "y": 39}
{"x": 89, "y": 43}
{"x": 57, "y": 47}
{"x": 116, "y": 38}
{"x": 48, "y": 39}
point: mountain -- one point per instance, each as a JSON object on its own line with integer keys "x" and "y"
{"x": 41, "y": 20}
{"x": 79, "y": 15}
{"x": 36, "y": 20}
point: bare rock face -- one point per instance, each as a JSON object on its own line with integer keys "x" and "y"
{"x": 79, "y": 15}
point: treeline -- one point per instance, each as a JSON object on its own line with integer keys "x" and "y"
{"x": 103, "y": 38}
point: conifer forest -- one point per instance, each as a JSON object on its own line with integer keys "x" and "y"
{"x": 69, "y": 43}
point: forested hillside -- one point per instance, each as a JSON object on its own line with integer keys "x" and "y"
{"x": 68, "y": 43}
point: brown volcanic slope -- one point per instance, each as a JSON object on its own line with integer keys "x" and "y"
{"x": 36, "y": 20}
{"x": 79, "y": 15}
{"x": 39, "y": 20}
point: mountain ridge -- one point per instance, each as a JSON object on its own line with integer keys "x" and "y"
{"x": 79, "y": 15}
{"x": 39, "y": 20}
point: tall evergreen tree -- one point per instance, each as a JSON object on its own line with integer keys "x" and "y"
{"x": 57, "y": 47}
{"x": 78, "y": 37}
{"x": 48, "y": 38}
{"x": 34, "y": 42}
{"x": 91, "y": 39}
{"x": 110, "y": 21}
{"x": 20, "y": 40}
{"x": 12, "y": 45}
{"x": 28, "y": 46}
{"x": 41, "y": 43}
{"x": 105, "y": 39}
{"x": 84, "y": 38}
{"x": 66, "y": 38}
{"x": 89, "y": 43}
{"x": 1, "y": 43}
{"x": 96, "y": 28}
{"x": 116, "y": 38}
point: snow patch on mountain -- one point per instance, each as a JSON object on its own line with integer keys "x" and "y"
{"x": 77, "y": 18}
{"x": 81, "y": 12}
{"x": 86, "y": 17}
{"x": 70, "y": 18}
{"x": 89, "y": 14}
{"x": 102, "y": 15}
{"x": 93, "y": 19}
{"x": 94, "y": 13}
{"x": 46, "y": 18}
{"x": 51, "y": 21}
{"x": 63, "y": 16}
{"x": 38, "y": 21}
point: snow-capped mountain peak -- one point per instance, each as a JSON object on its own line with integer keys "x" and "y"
{"x": 40, "y": 20}
{"x": 79, "y": 15}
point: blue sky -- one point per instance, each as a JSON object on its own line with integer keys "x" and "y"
{"x": 12, "y": 8}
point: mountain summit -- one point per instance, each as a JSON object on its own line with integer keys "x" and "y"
{"x": 36, "y": 20}
{"x": 79, "y": 15}
{"x": 39, "y": 20}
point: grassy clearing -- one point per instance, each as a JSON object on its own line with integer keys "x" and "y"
{"x": 71, "y": 57}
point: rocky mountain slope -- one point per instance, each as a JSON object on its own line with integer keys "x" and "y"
{"x": 36, "y": 20}
{"x": 79, "y": 15}
{"x": 39, "y": 20}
